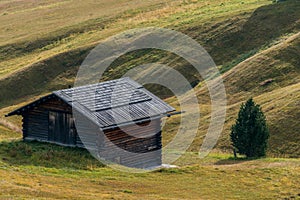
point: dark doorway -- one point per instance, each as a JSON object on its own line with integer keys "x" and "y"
{"x": 61, "y": 128}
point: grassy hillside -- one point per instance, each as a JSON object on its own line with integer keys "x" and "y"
{"x": 279, "y": 98}
{"x": 216, "y": 25}
{"x": 78, "y": 39}
{"x": 44, "y": 171}
{"x": 239, "y": 35}
{"x": 26, "y": 21}
{"x": 255, "y": 44}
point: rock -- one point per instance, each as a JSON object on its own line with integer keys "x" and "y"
{"x": 266, "y": 82}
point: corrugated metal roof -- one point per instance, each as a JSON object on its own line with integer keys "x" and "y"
{"x": 113, "y": 102}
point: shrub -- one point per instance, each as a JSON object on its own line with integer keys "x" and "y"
{"x": 250, "y": 133}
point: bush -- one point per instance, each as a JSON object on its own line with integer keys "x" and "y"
{"x": 250, "y": 133}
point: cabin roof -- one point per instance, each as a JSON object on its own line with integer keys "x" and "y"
{"x": 108, "y": 103}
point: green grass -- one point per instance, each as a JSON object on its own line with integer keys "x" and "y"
{"x": 232, "y": 32}
{"x": 278, "y": 99}
{"x": 22, "y": 21}
{"x": 226, "y": 67}
{"x": 45, "y": 171}
{"x": 83, "y": 33}
{"x": 17, "y": 152}
{"x": 87, "y": 28}
{"x": 36, "y": 63}
{"x": 43, "y": 43}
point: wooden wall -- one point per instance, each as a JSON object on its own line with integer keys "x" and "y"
{"x": 142, "y": 140}
{"x": 141, "y": 143}
{"x": 36, "y": 120}
{"x": 36, "y": 126}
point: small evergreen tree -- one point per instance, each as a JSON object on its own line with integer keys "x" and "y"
{"x": 250, "y": 133}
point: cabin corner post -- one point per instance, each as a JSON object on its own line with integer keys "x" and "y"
{"x": 24, "y": 126}
{"x": 159, "y": 138}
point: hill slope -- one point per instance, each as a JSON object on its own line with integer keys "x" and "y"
{"x": 255, "y": 43}
{"x": 272, "y": 77}
{"x": 239, "y": 35}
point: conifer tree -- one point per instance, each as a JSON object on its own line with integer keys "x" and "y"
{"x": 250, "y": 133}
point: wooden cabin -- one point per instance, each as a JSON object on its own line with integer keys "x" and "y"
{"x": 115, "y": 108}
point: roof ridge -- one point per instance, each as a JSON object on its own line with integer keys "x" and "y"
{"x": 106, "y": 106}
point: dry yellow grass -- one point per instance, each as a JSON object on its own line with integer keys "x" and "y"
{"x": 231, "y": 30}
{"x": 71, "y": 174}
{"x": 22, "y": 20}
{"x": 279, "y": 99}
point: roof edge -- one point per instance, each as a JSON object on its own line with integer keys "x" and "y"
{"x": 24, "y": 108}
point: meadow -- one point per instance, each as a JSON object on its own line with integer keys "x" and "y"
{"x": 32, "y": 170}
{"x": 42, "y": 44}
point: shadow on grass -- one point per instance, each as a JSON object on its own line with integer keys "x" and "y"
{"x": 34, "y": 153}
{"x": 233, "y": 161}
{"x": 264, "y": 25}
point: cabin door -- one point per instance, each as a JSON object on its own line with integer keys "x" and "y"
{"x": 61, "y": 128}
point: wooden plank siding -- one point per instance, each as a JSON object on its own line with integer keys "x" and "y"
{"x": 37, "y": 126}
{"x": 36, "y": 120}
{"x": 142, "y": 140}
{"x": 138, "y": 139}
{"x": 51, "y": 119}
